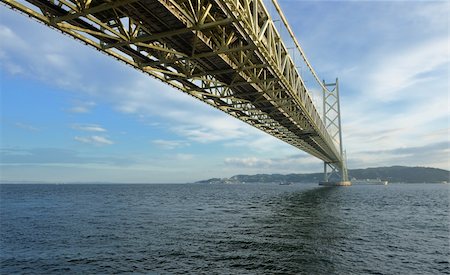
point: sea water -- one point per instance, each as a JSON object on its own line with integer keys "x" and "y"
{"x": 224, "y": 229}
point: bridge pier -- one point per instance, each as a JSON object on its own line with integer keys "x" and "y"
{"x": 335, "y": 183}
{"x": 335, "y": 176}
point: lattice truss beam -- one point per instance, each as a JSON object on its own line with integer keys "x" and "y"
{"x": 226, "y": 53}
{"x": 332, "y": 122}
{"x": 330, "y": 172}
{"x": 331, "y": 112}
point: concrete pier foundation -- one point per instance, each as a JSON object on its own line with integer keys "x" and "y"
{"x": 335, "y": 183}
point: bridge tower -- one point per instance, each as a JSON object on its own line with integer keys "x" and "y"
{"x": 335, "y": 174}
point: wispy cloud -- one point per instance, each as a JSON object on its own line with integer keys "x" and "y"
{"x": 12, "y": 68}
{"x": 170, "y": 144}
{"x": 11, "y": 156}
{"x": 249, "y": 162}
{"x": 10, "y": 42}
{"x": 296, "y": 163}
{"x": 190, "y": 118}
{"x": 184, "y": 157}
{"x": 434, "y": 154}
{"x": 393, "y": 68}
{"x": 94, "y": 140}
{"x": 261, "y": 143}
{"x": 133, "y": 93}
{"x": 414, "y": 151}
{"x": 26, "y": 126}
{"x": 439, "y": 134}
{"x": 10, "y": 39}
{"x": 207, "y": 133}
{"x": 59, "y": 72}
{"x": 399, "y": 71}
{"x": 82, "y": 107}
{"x": 128, "y": 92}
{"x": 88, "y": 127}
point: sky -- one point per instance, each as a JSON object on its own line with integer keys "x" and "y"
{"x": 71, "y": 114}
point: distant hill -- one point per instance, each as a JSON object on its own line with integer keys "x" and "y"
{"x": 391, "y": 174}
{"x": 402, "y": 174}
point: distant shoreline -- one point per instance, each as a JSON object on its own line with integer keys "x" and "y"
{"x": 393, "y": 174}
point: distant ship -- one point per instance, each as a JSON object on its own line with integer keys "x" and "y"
{"x": 285, "y": 183}
{"x": 370, "y": 181}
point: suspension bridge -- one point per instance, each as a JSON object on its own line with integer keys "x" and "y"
{"x": 229, "y": 54}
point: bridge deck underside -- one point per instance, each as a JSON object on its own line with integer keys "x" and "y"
{"x": 199, "y": 47}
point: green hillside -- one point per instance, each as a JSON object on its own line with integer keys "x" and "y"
{"x": 391, "y": 174}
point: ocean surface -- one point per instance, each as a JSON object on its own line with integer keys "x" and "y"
{"x": 224, "y": 229}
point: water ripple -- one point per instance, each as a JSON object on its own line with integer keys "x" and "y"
{"x": 217, "y": 229}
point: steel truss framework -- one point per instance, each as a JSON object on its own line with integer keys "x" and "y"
{"x": 226, "y": 53}
{"x": 332, "y": 121}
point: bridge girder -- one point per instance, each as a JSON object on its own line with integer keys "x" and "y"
{"x": 227, "y": 53}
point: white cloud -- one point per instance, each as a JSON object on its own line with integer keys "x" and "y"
{"x": 82, "y": 107}
{"x": 297, "y": 163}
{"x": 262, "y": 144}
{"x": 128, "y": 91}
{"x": 10, "y": 42}
{"x": 184, "y": 157}
{"x": 50, "y": 156}
{"x": 208, "y": 133}
{"x": 439, "y": 134}
{"x": 199, "y": 134}
{"x": 190, "y": 118}
{"x": 12, "y": 68}
{"x": 399, "y": 72}
{"x": 435, "y": 14}
{"x": 36, "y": 61}
{"x": 170, "y": 144}
{"x": 95, "y": 140}
{"x": 411, "y": 76}
{"x": 404, "y": 124}
{"x": 434, "y": 155}
{"x": 10, "y": 39}
{"x": 58, "y": 61}
{"x": 27, "y": 127}
{"x": 88, "y": 127}
{"x": 398, "y": 94}
{"x": 249, "y": 162}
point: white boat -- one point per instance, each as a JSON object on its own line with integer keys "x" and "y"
{"x": 370, "y": 181}
{"x": 285, "y": 183}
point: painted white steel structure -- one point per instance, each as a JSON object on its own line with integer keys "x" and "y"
{"x": 227, "y": 53}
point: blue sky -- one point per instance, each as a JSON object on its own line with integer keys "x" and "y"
{"x": 71, "y": 114}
